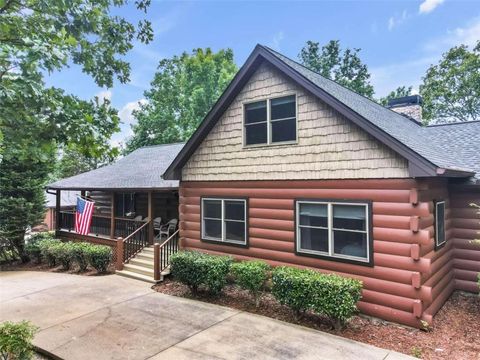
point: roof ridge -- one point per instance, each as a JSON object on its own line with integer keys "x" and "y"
{"x": 454, "y": 123}
{"x": 336, "y": 83}
{"x": 159, "y": 145}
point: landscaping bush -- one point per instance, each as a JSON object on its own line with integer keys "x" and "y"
{"x": 80, "y": 254}
{"x": 99, "y": 257}
{"x": 251, "y": 276}
{"x": 16, "y": 340}
{"x": 32, "y": 247}
{"x": 196, "y": 269}
{"x": 63, "y": 254}
{"x": 330, "y": 295}
{"x": 46, "y": 249}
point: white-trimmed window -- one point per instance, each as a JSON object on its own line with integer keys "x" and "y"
{"x": 334, "y": 230}
{"x": 270, "y": 121}
{"x": 440, "y": 238}
{"x": 224, "y": 220}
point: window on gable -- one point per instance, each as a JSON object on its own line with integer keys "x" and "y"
{"x": 271, "y": 121}
{"x": 334, "y": 230}
{"x": 224, "y": 220}
{"x": 440, "y": 238}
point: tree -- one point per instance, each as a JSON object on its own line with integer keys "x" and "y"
{"x": 399, "y": 92}
{"x": 37, "y": 37}
{"x": 343, "y": 66}
{"x": 451, "y": 89}
{"x": 182, "y": 92}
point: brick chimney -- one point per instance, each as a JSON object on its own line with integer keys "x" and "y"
{"x": 409, "y": 106}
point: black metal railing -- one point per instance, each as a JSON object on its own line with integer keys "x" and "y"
{"x": 135, "y": 242}
{"x": 124, "y": 227}
{"x": 100, "y": 225}
{"x": 67, "y": 221}
{"x": 166, "y": 250}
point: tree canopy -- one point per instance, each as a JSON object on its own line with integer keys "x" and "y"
{"x": 343, "y": 66}
{"x": 38, "y": 37}
{"x": 451, "y": 89}
{"x": 183, "y": 90}
{"x": 399, "y": 92}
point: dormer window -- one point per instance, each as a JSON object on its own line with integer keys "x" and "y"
{"x": 271, "y": 121}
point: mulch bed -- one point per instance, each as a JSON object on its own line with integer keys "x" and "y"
{"x": 456, "y": 334}
{"x": 32, "y": 266}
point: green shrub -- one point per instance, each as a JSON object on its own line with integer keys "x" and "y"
{"x": 329, "y": 295}
{"x": 251, "y": 276}
{"x": 196, "y": 269}
{"x": 32, "y": 246}
{"x": 16, "y": 340}
{"x": 99, "y": 257}
{"x": 80, "y": 254}
{"x": 63, "y": 254}
{"x": 48, "y": 254}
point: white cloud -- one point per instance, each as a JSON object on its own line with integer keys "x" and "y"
{"x": 104, "y": 94}
{"x": 277, "y": 39}
{"x": 467, "y": 35}
{"x": 429, "y": 5}
{"x": 397, "y": 20}
{"x": 126, "y": 112}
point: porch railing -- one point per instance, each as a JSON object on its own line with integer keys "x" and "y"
{"x": 132, "y": 244}
{"x": 162, "y": 253}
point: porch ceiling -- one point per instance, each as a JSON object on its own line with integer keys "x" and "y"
{"x": 140, "y": 170}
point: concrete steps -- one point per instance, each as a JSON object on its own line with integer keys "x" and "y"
{"x": 141, "y": 267}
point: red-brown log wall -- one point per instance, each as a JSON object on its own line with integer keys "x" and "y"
{"x": 409, "y": 280}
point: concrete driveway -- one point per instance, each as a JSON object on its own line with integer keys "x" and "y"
{"x": 112, "y": 317}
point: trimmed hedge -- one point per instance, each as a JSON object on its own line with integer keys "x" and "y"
{"x": 32, "y": 248}
{"x": 196, "y": 269}
{"x": 329, "y": 295}
{"x": 16, "y": 340}
{"x": 80, "y": 254}
{"x": 251, "y": 276}
{"x": 99, "y": 257}
{"x": 46, "y": 247}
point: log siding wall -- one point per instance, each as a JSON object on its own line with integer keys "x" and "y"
{"x": 409, "y": 280}
{"x": 329, "y": 146}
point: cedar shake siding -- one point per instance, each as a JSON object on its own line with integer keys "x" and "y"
{"x": 408, "y": 281}
{"x": 328, "y": 145}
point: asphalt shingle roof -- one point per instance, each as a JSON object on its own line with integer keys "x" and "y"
{"x": 433, "y": 145}
{"x": 141, "y": 169}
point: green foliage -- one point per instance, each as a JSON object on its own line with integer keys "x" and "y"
{"x": 80, "y": 254}
{"x": 38, "y": 37}
{"x": 63, "y": 253}
{"x": 196, "y": 269}
{"x": 16, "y": 340}
{"x": 182, "y": 92}
{"x": 329, "y": 295}
{"x": 48, "y": 255}
{"x": 399, "y": 92}
{"x": 99, "y": 257}
{"x": 451, "y": 89}
{"x": 251, "y": 275}
{"x": 343, "y": 66}
{"x": 32, "y": 248}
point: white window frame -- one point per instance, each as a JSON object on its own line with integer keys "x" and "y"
{"x": 437, "y": 244}
{"x": 330, "y": 228}
{"x": 269, "y": 122}
{"x": 223, "y": 239}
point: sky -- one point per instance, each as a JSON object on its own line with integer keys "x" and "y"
{"x": 399, "y": 40}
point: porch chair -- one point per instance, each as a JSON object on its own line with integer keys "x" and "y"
{"x": 157, "y": 223}
{"x": 168, "y": 229}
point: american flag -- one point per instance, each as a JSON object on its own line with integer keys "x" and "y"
{"x": 83, "y": 216}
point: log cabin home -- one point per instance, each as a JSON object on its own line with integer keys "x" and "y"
{"x": 294, "y": 169}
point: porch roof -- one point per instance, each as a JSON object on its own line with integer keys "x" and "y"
{"x": 140, "y": 170}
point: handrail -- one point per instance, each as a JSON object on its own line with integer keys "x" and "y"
{"x": 162, "y": 253}
{"x": 105, "y": 216}
{"x": 137, "y": 230}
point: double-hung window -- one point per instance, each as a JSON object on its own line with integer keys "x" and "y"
{"x": 270, "y": 121}
{"x": 224, "y": 220}
{"x": 440, "y": 238}
{"x": 337, "y": 230}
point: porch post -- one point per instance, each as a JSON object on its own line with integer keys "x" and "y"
{"x": 150, "y": 217}
{"x": 57, "y": 209}
{"x": 112, "y": 216}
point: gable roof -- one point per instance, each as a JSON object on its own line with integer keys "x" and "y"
{"x": 140, "y": 170}
{"x": 406, "y": 137}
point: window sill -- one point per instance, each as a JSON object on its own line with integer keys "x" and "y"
{"x": 347, "y": 260}
{"x": 256, "y": 146}
{"x": 227, "y": 243}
